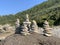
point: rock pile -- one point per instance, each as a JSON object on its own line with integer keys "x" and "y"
{"x": 25, "y": 30}
{"x": 27, "y": 27}
{"x": 27, "y": 22}
{"x": 34, "y": 27}
{"x": 47, "y": 29}
{"x": 6, "y": 28}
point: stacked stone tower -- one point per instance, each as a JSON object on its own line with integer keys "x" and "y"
{"x": 26, "y": 26}
{"x": 34, "y": 27}
{"x": 47, "y": 29}
{"x": 25, "y": 30}
{"x": 17, "y": 26}
{"x": 27, "y": 22}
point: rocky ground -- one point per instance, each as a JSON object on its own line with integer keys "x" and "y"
{"x": 33, "y": 39}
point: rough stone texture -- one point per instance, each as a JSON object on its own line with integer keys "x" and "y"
{"x": 33, "y": 39}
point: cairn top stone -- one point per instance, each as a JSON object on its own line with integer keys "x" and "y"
{"x": 46, "y": 22}
{"x": 27, "y": 18}
{"x": 34, "y": 22}
{"x": 17, "y": 21}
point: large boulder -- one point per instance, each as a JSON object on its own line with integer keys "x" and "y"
{"x": 33, "y": 39}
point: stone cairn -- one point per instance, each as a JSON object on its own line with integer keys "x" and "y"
{"x": 47, "y": 29}
{"x": 26, "y": 26}
{"x": 34, "y": 27}
{"x": 17, "y": 23}
{"x": 27, "y": 22}
{"x": 17, "y": 26}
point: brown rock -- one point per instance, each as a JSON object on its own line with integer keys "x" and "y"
{"x": 33, "y": 39}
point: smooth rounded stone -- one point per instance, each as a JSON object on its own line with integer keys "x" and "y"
{"x": 46, "y": 22}
{"x": 47, "y": 34}
{"x": 27, "y": 18}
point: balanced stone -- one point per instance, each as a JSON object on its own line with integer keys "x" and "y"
{"x": 27, "y": 18}
{"x": 47, "y": 29}
{"x": 25, "y": 30}
{"x": 34, "y": 27}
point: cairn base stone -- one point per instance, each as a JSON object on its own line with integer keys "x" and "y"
{"x": 47, "y": 34}
{"x": 24, "y": 33}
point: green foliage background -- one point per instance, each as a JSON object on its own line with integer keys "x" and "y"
{"x": 48, "y": 10}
